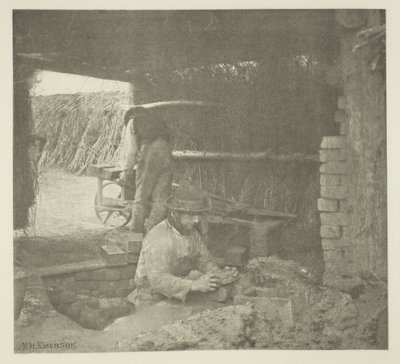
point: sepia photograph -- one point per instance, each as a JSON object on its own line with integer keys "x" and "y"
{"x": 199, "y": 179}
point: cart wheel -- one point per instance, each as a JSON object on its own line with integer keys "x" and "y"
{"x": 112, "y": 210}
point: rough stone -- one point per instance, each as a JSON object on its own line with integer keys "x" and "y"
{"x": 330, "y": 179}
{"x": 334, "y": 192}
{"x": 328, "y": 155}
{"x": 266, "y": 292}
{"x": 334, "y": 167}
{"x": 334, "y": 218}
{"x": 327, "y": 205}
{"x": 274, "y": 308}
{"x": 331, "y": 231}
{"x": 329, "y": 142}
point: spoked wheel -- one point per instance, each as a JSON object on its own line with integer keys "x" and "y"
{"x": 110, "y": 209}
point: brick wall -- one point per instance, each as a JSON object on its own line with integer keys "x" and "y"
{"x": 333, "y": 208}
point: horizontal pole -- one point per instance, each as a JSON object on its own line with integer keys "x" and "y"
{"x": 216, "y": 156}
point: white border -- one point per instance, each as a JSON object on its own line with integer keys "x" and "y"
{"x": 284, "y": 356}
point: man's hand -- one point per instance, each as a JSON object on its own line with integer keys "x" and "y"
{"x": 206, "y": 283}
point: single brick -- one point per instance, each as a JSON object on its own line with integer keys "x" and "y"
{"x": 135, "y": 246}
{"x": 98, "y": 274}
{"x": 132, "y": 284}
{"x": 347, "y": 232}
{"x": 329, "y": 142}
{"x": 113, "y": 255}
{"x": 113, "y": 274}
{"x": 133, "y": 258}
{"x": 128, "y": 271}
{"x": 334, "y": 218}
{"x": 340, "y": 116}
{"x": 104, "y": 302}
{"x": 108, "y": 292}
{"x": 236, "y": 256}
{"x": 328, "y": 155}
{"x": 327, "y": 205}
{"x": 344, "y": 180}
{"x": 250, "y": 291}
{"x": 123, "y": 292}
{"x": 67, "y": 297}
{"x": 334, "y": 244}
{"x": 330, "y": 179}
{"x": 94, "y": 292}
{"x": 342, "y": 102}
{"x": 344, "y": 128}
{"x": 344, "y": 206}
{"x": 115, "y": 301}
{"x": 334, "y": 192}
{"x": 82, "y": 276}
{"x": 123, "y": 283}
{"x": 339, "y": 167}
{"x": 84, "y": 292}
{"x": 222, "y": 294}
{"x": 334, "y": 232}
{"x": 85, "y": 285}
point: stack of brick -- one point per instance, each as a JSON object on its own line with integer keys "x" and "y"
{"x": 333, "y": 207}
{"x": 93, "y": 293}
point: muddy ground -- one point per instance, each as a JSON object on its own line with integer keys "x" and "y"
{"x": 67, "y": 230}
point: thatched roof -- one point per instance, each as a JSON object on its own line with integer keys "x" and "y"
{"x": 122, "y": 44}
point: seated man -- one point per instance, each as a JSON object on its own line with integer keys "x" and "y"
{"x": 174, "y": 249}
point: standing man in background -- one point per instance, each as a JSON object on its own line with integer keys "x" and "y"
{"x": 150, "y": 153}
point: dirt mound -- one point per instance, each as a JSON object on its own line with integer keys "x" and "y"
{"x": 224, "y": 328}
{"x": 272, "y": 271}
{"x": 325, "y": 319}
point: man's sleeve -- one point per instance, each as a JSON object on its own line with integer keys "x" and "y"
{"x": 158, "y": 258}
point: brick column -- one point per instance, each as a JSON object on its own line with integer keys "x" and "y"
{"x": 336, "y": 245}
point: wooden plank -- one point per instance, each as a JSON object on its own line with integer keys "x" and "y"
{"x": 71, "y": 267}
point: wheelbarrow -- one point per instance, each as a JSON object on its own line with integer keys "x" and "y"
{"x": 113, "y": 199}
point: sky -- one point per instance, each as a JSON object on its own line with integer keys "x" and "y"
{"x": 49, "y": 83}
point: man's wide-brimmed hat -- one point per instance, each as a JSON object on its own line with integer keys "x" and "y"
{"x": 189, "y": 199}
